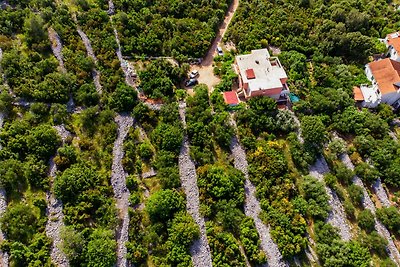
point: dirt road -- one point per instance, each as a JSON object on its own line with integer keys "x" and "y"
{"x": 205, "y": 68}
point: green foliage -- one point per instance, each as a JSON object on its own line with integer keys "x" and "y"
{"x": 268, "y": 171}
{"x": 20, "y": 223}
{"x": 356, "y": 194}
{"x": 124, "y": 98}
{"x": 101, "y": 249}
{"x": 75, "y": 180}
{"x": 181, "y": 234}
{"x": 163, "y": 204}
{"x": 159, "y": 79}
{"x": 316, "y": 196}
{"x": 366, "y": 172}
{"x": 35, "y": 254}
{"x": 390, "y": 217}
{"x": 313, "y": 130}
{"x": 168, "y": 137}
{"x": 251, "y": 242}
{"x": 185, "y": 30}
{"x": 35, "y": 33}
{"x": 376, "y": 244}
{"x": 366, "y": 220}
{"x": 224, "y": 249}
{"x": 341, "y": 253}
{"x": 86, "y": 198}
{"x": 325, "y": 233}
{"x": 73, "y": 244}
{"x": 218, "y": 182}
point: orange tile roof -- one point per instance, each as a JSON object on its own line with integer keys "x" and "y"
{"x": 394, "y": 40}
{"x": 231, "y": 98}
{"x": 358, "y": 96}
{"x": 386, "y": 73}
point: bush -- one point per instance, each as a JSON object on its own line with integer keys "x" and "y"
{"x": 390, "y": 217}
{"x": 163, "y": 204}
{"x": 366, "y": 220}
{"x": 316, "y": 196}
{"x": 356, "y": 194}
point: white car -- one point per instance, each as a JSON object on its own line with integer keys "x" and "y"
{"x": 220, "y": 52}
{"x": 194, "y": 74}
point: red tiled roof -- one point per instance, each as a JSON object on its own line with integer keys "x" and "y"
{"x": 358, "y": 96}
{"x": 386, "y": 73}
{"x": 250, "y": 74}
{"x": 394, "y": 40}
{"x": 231, "y": 98}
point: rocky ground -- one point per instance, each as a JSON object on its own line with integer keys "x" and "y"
{"x": 368, "y": 204}
{"x": 200, "y": 250}
{"x": 89, "y": 49}
{"x": 381, "y": 194}
{"x": 56, "y": 46}
{"x": 252, "y": 208}
{"x": 3, "y": 206}
{"x": 121, "y": 192}
{"x": 54, "y": 211}
{"x": 125, "y": 65}
{"x": 111, "y": 9}
{"x": 337, "y": 216}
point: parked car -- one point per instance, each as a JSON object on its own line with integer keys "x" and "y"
{"x": 194, "y": 74}
{"x": 220, "y": 52}
{"x": 191, "y": 82}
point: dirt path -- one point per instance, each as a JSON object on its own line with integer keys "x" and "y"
{"x": 205, "y": 68}
{"x": 200, "y": 250}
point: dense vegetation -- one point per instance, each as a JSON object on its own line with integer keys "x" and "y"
{"x": 324, "y": 45}
{"x": 168, "y": 28}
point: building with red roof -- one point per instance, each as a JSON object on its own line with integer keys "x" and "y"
{"x": 385, "y": 79}
{"x": 259, "y": 74}
{"x": 231, "y": 98}
{"x": 392, "y": 42}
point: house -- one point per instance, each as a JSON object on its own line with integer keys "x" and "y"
{"x": 384, "y": 75}
{"x": 231, "y": 98}
{"x": 261, "y": 75}
{"x": 392, "y": 42}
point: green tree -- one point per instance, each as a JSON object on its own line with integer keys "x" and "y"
{"x": 163, "y": 204}
{"x": 20, "y": 223}
{"x": 366, "y": 220}
{"x": 101, "y": 249}
{"x": 124, "y": 98}
{"x": 313, "y": 130}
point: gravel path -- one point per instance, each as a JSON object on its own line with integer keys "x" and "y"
{"x": 200, "y": 250}
{"x": 56, "y": 46}
{"x": 121, "y": 192}
{"x": 125, "y": 65}
{"x": 298, "y": 126}
{"x": 368, "y": 204}
{"x": 54, "y": 212}
{"x": 337, "y": 216}
{"x": 252, "y": 205}
{"x": 381, "y": 193}
{"x": 3, "y": 206}
{"x": 89, "y": 49}
{"x": 111, "y": 9}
